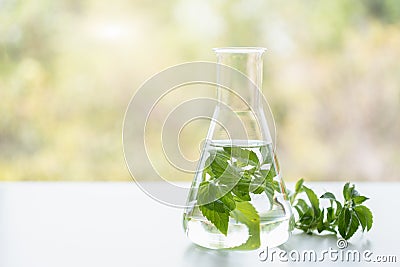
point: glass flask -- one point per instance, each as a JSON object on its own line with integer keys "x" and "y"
{"x": 238, "y": 199}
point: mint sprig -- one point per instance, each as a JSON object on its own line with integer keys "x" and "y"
{"x": 343, "y": 218}
{"x": 243, "y": 172}
{"x": 248, "y": 215}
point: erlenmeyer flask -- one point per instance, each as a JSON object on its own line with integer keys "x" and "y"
{"x": 238, "y": 199}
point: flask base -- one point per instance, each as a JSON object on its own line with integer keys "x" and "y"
{"x": 239, "y": 237}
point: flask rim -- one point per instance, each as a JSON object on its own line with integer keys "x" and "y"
{"x": 239, "y": 50}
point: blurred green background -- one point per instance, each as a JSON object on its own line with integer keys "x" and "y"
{"x": 68, "y": 69}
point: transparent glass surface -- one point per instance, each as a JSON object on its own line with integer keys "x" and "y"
{"x": 238, "y": 199}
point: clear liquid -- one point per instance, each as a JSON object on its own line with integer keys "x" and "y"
{"x": 275, "y": 217}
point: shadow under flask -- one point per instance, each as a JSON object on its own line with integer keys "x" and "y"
{"x": 238, "y": 199}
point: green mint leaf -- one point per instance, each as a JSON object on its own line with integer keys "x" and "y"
{"x": 301, "y": 206}
{"x": 299, "y": 211}
{"x": 313, "y": 200}
{"x": 320, "y": 224}
{"x": 241, "y": 190}
{"x": 219, "y": 162}
{"x": 299, "y": 185}
{"x": 297, "y": 189}
{"x": 209, "y": 191}
{"x": 272, "y": 172}
{"x": 207, "y": 167}
{"x": 329, "y": 195}
{"x": 347, "y": 191}
{"x": 229, "y": 178}
{"x": 253, "y": 158}
{"x": 330, "y": 214}
{"x": 257, "y": 185}
{"x": 248, "y": 215}
{"x": 359, "y": 199}
{"x": 354, "y": 193}
{"x": 364, "y": 215}
{"x": 338, "y": 208}
{"x": 217, "y": 214}
{"x": 265, "y": 155}
{"x": 354, "y": 224}
{"x": 258, "y": 190}
{"x": 243, "y": 156}
{"x": 348, "y": 223}
{"x": 306, "y": 221}
{"x": 269, "y": 190}
{"x": 344, "y": 221}
{"x": 269, "y": 187}
{"x": 228, "y": 201}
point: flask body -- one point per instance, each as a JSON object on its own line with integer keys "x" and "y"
{"x": 238, "y": 199}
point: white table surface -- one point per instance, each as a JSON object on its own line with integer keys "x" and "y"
{"x": 116, "y": 224}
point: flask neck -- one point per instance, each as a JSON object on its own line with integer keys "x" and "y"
{"x": 242, "y": 94}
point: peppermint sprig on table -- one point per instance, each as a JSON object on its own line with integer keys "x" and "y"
{"x": 345, "y": 218}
